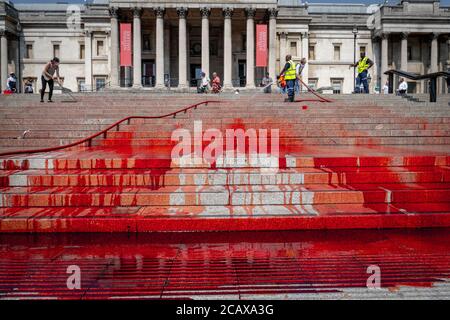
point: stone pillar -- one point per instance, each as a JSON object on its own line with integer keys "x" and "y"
{"x": 88, "y": 59}
{"x": 182, "y": 47}
{"x": 305, "y": 48}
{"x": 272, "y": 41}
{"x": 3, "y": 59}
{"x": 205, "y": 12}
{"x": 404, "y": 52}
{"x": 167, "y": 61}
{"x": 228, "y": 53}
{"x": 384, "y": 58}
{"x": 283, "y": 51}
{"x": 250, "y": 83}
{"x": 448, "y": 60}
{"x": 434, "y": 53}
{"x": 114, "y": 80}
{"x": 137, "y": 48}
{"x": 448, "y": 51}
{"x": 159, "y": 13}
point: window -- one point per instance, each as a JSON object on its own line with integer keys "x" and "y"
{"x": 244, "y": 42}
{"x": 100, "y": 48}
{"x": 312, "y": 52}
{"x": 337, "y": 53}
{"x": 100, "y": 83}
{"x": 337, "y": 85}
{"x": 293, "y": 48}
{"x": 414, "y": 53}
{"x": 56, "y": 50}
{"x": 81, "y": 51}
{"x": 29, "y": 51}
{"x": 412, "y": 87}
{"x": 81, "y": 84}
{"x": 312, "y": 83}
{"x": 146, "y": 42}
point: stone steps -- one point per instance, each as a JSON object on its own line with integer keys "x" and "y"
{"x": 358, "y": 162}
{"x": 204, "y": 177}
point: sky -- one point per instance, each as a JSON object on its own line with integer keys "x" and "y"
{"x": 443, "y": 2}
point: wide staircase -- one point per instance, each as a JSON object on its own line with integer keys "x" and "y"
{"x": 356, "y": 162}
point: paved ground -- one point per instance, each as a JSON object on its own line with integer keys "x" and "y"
{"x": 412, "y": 264}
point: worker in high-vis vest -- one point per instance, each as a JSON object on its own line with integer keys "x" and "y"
{"x": 290, "y": 75}
{"x": 363, "y": 66}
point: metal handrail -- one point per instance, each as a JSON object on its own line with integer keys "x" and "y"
{"x": 104, "y": 131}
{"x": 416, "y": 77}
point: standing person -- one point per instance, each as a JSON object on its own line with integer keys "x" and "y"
{"x": 299, "y": 70}
{"x": 11, "y": 83}
{"x": 216, "y": 86}
{"x": 48, "y": 77}
{"x": 266, "y": 83}
{"x": 290, "y": 74}
{"x": 363, "y": 65}
{"x": 403, "y": 87}
{"x": 386, "y": 88}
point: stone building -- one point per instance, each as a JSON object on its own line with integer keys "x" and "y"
{"x": 173, "y": 41}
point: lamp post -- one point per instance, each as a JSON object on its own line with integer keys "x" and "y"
{"x": 355, "y": 34}
{"x": 19, "y": 71}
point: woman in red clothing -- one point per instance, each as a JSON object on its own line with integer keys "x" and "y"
{"x": 216, "y": 86}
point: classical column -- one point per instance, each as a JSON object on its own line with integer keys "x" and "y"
{"x": 305, "y": 48}
{"x": 167, "y": 61}
{"x": 434, "y": 53}
{"x": 113, "y": 12}
{"x": 384, "y": 58}
{"x": 283, "y": 51}
{"x": 272, "y": 41}
{"x": 250, "y": 12}
{"x": 88, "y": 59}
{"x": 137, "y": 48}
{"x": 182, "y": 60}
{"x": 205, "y": 12}
{"x": 448, "y": 60}
{"x": 227, "y": 54}
{"x": 404, "y": 52}
{"x": 159, "y": 13}
{"x": 3, "y": 58}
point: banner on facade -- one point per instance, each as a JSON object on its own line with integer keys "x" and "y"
{"x": 261, "y": 45}
{"x": 125, "y": 45}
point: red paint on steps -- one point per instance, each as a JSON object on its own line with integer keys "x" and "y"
{"x": 233, "y": 265}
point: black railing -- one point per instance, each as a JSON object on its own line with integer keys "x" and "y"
{"x": 432, "y": 77}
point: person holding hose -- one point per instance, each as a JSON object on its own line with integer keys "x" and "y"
{"x": 290, "y": 75}
{"x": 363, "y": 65}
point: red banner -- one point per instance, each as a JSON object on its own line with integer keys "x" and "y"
{"x": 261, "y": 45}
{"x": 125, "y": 45}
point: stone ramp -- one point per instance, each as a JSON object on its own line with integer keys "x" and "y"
{"x": 345, "y": 164}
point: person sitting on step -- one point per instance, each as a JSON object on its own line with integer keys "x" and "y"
{"x": 204, "y": 84}
{"x": 403, "y": 87}
{"x": 216, "y": 86}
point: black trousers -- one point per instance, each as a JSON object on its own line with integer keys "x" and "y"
{"x": 44, "y": 86}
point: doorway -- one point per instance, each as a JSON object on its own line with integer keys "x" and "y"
{"x": 242, "y": 65}
{"x": 148, "y": 73}
{"x": 195, "y": 74}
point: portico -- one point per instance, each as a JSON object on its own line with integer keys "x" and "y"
{"x": 410, "y": 42}
{"x": 182, "y": 41}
